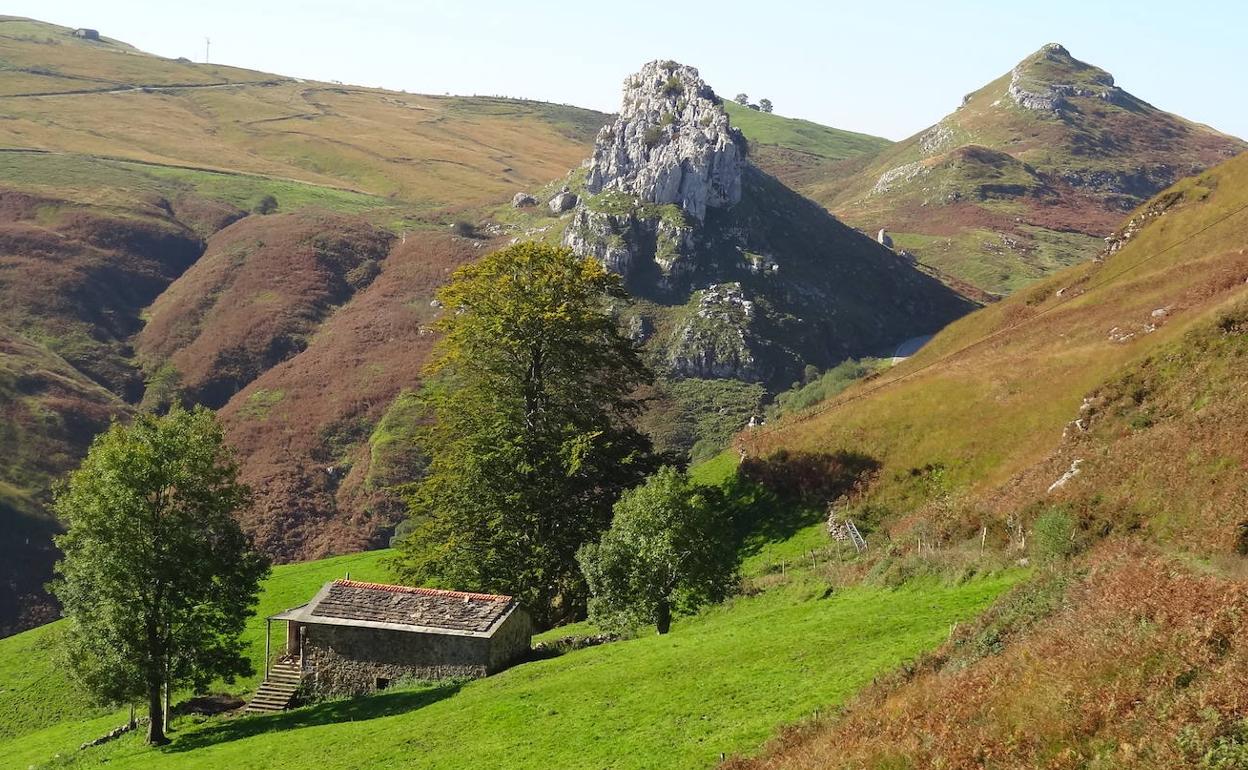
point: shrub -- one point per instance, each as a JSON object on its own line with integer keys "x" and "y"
{"x": 653, "y": 136}
{"x": 464, "y": 229}
{"x": 673, "y": 86}
{"x": 811, "y": 478}
{"x": 266, "y": 205}
{"x": 1055, "y": 536}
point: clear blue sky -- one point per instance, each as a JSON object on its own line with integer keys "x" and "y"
{"x": 878, "y": 66}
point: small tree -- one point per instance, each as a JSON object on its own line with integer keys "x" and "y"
{"x": 266, "y": 205}
{"x": 764, "y": 105}
{"x": 742, "y": 99}
{"x": 158, "y": 579}
{"x": 670, "y": 547}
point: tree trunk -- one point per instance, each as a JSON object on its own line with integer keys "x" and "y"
{"x": 663, "y": 616}
{"x": 155, "y": 713}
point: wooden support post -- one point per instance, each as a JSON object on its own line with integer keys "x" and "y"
{"x": 983, "y": 538}
{"x": 268, "y": 634}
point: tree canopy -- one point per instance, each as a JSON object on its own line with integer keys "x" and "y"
{"x": 531, "y": 438}
{"x": 671, "y": 546}
{"x": 157, "y": 578}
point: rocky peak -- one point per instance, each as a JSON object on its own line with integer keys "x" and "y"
{"x": 1046, "y": 79}
{"x": 671, "y": 144}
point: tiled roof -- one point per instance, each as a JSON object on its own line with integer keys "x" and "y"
{"x": 403, "y": 605}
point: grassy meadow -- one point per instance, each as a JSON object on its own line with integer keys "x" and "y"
{"x": 722, "y": 681}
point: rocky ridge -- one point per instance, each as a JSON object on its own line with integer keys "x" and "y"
{"x": 738, "y": 276}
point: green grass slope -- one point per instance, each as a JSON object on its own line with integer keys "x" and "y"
{"x": 35, "y": 692}
{"x": 801, "y": 153}
{"x": 771, "y": 130}
{"x": 720, "y": 682}
{"x": 1097, "y": 415}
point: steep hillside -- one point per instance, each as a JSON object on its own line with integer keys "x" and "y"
{"x": 255, "y": 297}
{"x": 48, "y": 412}
{"x": 324, "y": 434}
{"x": 1098, "y": 412}
{"x": 738, "y": 278}
{"x": 1027, "y": 176}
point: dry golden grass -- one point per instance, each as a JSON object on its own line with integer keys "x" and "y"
{"x": 999, "y": 409}
{"x": 426, "y": 150}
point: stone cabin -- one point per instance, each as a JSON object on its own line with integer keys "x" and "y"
{"x": 355, "y": 637}
{"x": 87, "y": 34}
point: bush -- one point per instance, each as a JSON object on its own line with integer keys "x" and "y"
{"x": 673, "y": 86}
{"x": 266, "y": 205}
{"x": 820, "y": 387}
{"x": 1055, "y": 536}
{"x": 653, "y": 136}
{"x": 811, "y": 478}
{"x": 464, "y": 229}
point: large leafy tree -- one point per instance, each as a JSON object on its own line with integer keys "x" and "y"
{"x": 532, "y": 437}
{"x": 671, "y": 546}
{"x": 157, "y": 578}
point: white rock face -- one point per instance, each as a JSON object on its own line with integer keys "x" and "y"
{"x": 1052, "y": 97}
{"x": 672, "y": 143}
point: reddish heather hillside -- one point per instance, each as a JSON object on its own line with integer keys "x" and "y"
{"x": 48, "y": 413}
{"x": 316, "y": 433}
{"x": 256, "y": 297}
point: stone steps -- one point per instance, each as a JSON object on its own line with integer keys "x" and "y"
{"x": 278, "y": 690}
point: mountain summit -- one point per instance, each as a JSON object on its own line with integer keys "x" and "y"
{"x": 1029, "y": 174}
{"x": 672, "y": 143}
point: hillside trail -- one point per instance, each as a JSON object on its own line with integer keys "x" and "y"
{"x": 119, "y": 89}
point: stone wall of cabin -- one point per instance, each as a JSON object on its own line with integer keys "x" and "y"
{"x": 349, "y": 660}
{"x": 511, "y": 640}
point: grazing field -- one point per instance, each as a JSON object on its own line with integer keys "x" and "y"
{"x": 35, "y": 691}
{"x": 723, "y": 681}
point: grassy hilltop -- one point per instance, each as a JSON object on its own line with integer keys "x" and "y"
{"x": 1027, "y": 176}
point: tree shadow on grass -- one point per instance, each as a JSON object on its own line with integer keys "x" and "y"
{"x": 772, "y": 498}
{"x": 358, "y": 709}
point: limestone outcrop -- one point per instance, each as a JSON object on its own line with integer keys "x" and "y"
{"x": 669, "y": 157}
{"x": 672, "y": 143}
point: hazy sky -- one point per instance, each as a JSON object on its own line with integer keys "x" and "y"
{"x": 884, "y": 67}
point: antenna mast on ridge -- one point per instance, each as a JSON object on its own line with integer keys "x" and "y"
{"x": 207, "y": 47}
